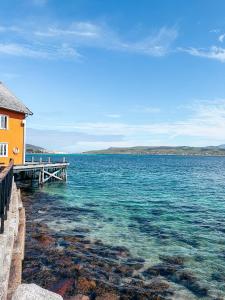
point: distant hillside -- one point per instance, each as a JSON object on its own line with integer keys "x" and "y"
{"x": 164, "y": 150}
{"x": 35, "y": 149}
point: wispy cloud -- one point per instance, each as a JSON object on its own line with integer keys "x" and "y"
{"x": 76, "y": 29}
{"x": 214, "y": 52}
{"x": 216, "y": 30}
{"x": 80, "y": 35}
{"x": 221, "y": 38}
{"x": 39, "y": 2}
{"x": 113, "y": 116}
{"x": 67, "y": 140}
{"x": 84, "y": 146}
{"x": 157, "y": 44}
{"x": 87, "y": 34}
{"x": 206, "y": 119}
{"x": 14, "y": 29}
{"x": 38, "y": 51}
{"x": 9, "y": 76}
{"x": 146, "y": 109}
{"x": 204, "y": 124}
{"x": 21, "y": 50}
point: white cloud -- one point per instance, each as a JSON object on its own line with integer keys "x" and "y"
{"x": 214, "y": 52}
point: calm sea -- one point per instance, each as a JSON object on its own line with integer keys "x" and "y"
{"x": 153, "y": 205}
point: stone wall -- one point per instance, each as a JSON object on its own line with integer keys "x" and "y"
{"x": 12, "y": 254}
{"x": 12, "y": 246}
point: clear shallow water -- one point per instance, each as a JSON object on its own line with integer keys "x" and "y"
{"x": 153, "y": 205}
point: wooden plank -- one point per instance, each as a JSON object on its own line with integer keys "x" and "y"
{"x": 39, "y": 166}
{"x": 5, "y": 170}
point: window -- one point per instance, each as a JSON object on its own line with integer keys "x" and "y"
{"x": 3, "y": 150}
{"x": 3, "y": 122}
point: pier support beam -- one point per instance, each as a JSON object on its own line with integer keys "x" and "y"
{"x": 52, "y": 175}
{"x": 42, "y": 172}
{"x": 60, "y": 174}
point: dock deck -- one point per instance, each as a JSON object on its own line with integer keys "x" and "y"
{"x": 36, "y": 166}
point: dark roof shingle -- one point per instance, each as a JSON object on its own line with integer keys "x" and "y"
{"x": 9, "y": 101}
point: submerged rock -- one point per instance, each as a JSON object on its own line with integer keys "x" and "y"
{"x": 80, "y": 269}
{"x": 218, "y": 277}
{"x": 174, "y": 271}
{"x": 85, "y": 285}
{"x": 108, "y": 296}
{"x": 165, "y": 270}
{"x": 63, "y": 286}
{"x": 158, "y": 285}
{"x": 173, "y": 260}
{"x": 188, "y": 280}
{"x": 44, "y": 239}
{"x": 78, "y": 297}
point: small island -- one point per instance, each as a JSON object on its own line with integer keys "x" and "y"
{"x": 164, "y": 150}
{"x": 32, "y": 149}
{"x": 35, "y": 149}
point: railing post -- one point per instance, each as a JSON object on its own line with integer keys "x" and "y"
{"x": 1, "y": 209}
{"x": 6, "y": 179}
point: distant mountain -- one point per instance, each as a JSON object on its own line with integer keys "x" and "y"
{"x": 164, "y": 150}
{"x": 35, "y": 149}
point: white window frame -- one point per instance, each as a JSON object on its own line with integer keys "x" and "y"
{"x": 7, "y": 150}
{"x": 7, "y": 122}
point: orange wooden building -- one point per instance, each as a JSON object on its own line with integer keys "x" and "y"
{"x": 13, "y": 115}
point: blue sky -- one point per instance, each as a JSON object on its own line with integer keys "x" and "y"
{"x": 100, "y": 73}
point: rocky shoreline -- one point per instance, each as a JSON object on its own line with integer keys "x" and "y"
{"x": 77, "y": 268}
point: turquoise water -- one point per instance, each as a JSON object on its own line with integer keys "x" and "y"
{"x": 153, "y": 205}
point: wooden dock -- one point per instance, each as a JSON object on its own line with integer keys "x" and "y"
{"x": 42, "y": 171}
